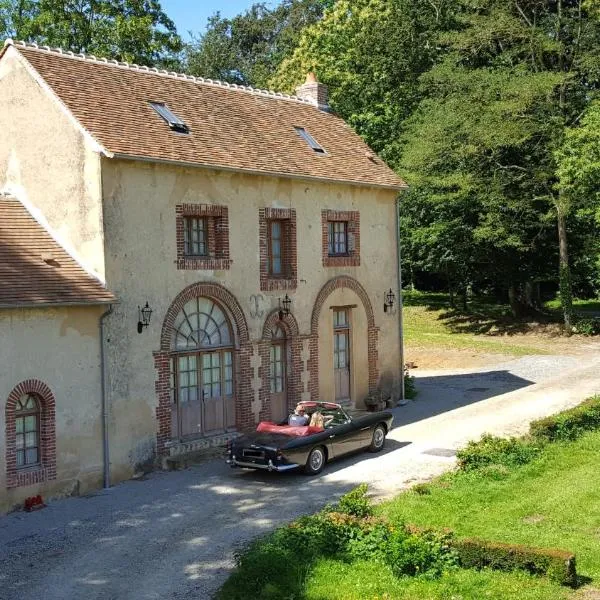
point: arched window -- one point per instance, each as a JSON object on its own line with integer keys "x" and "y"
{"x": 202, "y": 370}
{"x": 30, "y": 434}
{"x": 201, "y": 324}
{"x": 27, "y": 429}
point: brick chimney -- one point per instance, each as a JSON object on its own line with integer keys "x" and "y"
{"x": 315, "y": 92}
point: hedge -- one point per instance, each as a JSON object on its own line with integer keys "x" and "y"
{"x": 558, "y": 565}
{"x": 474, "y": 553}
{"x": 568, "y": 424}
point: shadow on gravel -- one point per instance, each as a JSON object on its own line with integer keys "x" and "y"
{"x": 171, "y": 535}
{"x": 442, "y": 393}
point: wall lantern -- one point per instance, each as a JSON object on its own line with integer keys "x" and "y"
{"x": 144, "y": 315}
{"x": 284, "y": 307}
{"x": 390, "y": 297}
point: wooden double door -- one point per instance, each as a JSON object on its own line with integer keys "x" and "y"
{"x": 202, "y": 393}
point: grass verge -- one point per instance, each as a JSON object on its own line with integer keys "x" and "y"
{"x": 547, "y": 499}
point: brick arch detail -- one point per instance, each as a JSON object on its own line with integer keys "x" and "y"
{"x": 294, "y": 364}
{"x": 343, "y": 281}
{"x": 162, "y": 358}
{"x": 214, "y": 291}
{"x": 288, "y": 323}
{"x": 47, "y": 440}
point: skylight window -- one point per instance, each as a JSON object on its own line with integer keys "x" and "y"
{"x": 175, "y": 123}
{"x": 310, "y": 140}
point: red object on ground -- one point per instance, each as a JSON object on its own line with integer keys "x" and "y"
{"x": 34, "y": 503}
{"x": 291, "y": 430}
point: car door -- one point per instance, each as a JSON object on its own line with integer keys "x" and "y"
{"x": 343, "y": 436}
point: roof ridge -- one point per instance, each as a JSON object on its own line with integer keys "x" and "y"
{"x": 155, "y": 71}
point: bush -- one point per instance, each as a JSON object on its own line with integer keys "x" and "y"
{"x": 425, "y": 553}
{"x": 568, "y": 424}
{"x": 558, "y": 565}
{"x": 589, "y": 326}
{"x": 356, "y": 502}
{"x": 410, "y": 390}
{"x": 492, "y": 450}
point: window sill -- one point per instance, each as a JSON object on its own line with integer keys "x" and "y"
{"x": 202, "y": 263}
{"x": 270, "y": 284}
{"x": 341, "y": 261}
{"x": 30, "y": 476}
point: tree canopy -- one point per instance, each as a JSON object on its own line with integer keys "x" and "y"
{"x": 247, "y": 48}
{"x": 130, "y": 30}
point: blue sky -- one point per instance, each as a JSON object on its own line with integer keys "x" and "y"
{"x": 193, "y": 14}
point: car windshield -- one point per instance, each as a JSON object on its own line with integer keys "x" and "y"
{"x": 339, "y": 417}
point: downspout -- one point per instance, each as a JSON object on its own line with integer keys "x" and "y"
{"x": 105, "y": 448}
{"x": 400, "y": 301}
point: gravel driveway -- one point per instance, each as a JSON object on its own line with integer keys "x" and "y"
{"x": 172, "y": 535}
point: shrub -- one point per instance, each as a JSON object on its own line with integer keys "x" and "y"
{"x": 589, "y": 326}
{"x": 424, "y": 553}
{"x": 558, "y": 565}
{"x": 356, "y": 502}
{"x": 492, "y": 450}
{"x": 422, "y": 489}
{"x": 410, "y": 390}
{"x": 568, "y": 424}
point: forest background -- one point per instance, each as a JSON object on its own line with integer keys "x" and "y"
{"x": 489, "y": 110}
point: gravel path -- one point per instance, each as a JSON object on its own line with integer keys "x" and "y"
{"x": 172, "y": 535}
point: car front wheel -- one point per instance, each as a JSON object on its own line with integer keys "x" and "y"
{"x": 316, "y": 461}
{"x": 378, "y": 439}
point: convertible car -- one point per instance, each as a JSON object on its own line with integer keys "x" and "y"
{"x": 280, "y": 447}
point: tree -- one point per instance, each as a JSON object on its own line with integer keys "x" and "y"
{"x": 248, "y": 48}
{"x": 527, "y": 70}
{"x": 129, "y": 30}
{"x": 371, "y": 54}
{"x": 579, "y": 162}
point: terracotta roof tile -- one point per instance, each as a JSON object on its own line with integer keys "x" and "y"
{"x": 230, "y": 127}
{"x": 35, "y": 269}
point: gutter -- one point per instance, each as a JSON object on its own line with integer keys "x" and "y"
{"x": 103, "y": 375}
{"x": 179, "y": 163}
{"x": 57, "y": 304}
{"x": 400, "y": 302}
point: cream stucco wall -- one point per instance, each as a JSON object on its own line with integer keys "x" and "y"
{"x": 47, "y": 162}
{"x": 60, "y": 347}
{"x": 139, "y": 209}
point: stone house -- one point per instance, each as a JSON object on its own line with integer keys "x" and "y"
{"x": 258, "y": 229}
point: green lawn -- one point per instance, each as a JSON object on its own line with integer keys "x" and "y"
{"x": 581, "y": 307}
{"x": 552, "y": 502}
{"x": 486, "y": 326}
{"x": 336, "y": 580}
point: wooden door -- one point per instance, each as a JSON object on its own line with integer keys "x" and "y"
{"x": 341, "y": 356}
{"x": 204, "y": 401}
{"x": 213, "y": 418}
{"x": 188, "y": 405}
{"x": 278, "y": 378}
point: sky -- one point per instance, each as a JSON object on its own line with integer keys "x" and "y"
{"x": 193, "y": 14}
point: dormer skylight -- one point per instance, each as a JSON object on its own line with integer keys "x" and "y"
{"x": 175, "y": 123}
{"x": 310, "y": 140}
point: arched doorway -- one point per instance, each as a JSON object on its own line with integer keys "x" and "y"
{"x": 202, "y": 370}
{"x": 344, "y": 343}
{"x": 278, "y": 374}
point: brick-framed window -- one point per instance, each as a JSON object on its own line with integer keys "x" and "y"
{"x": 202, "y": 237}
{"x": 278, "y": 253}
{"x": 341, "y": 238}
{"x": 30, "y": 434}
